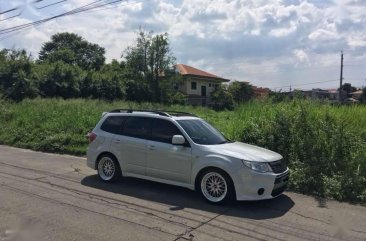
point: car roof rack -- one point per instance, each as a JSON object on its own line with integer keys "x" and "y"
{"x": 179, "y": 113}
{"x": 166, "y": 113}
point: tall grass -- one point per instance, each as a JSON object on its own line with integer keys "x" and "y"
{"x": 324, "y": 145}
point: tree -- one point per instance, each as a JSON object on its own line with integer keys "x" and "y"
{"x": 240, "y": 91}
{"x": 74, "y": 50}
{"x": 363, "y": 96}
{"x": 59, "y": 80}
{"x": 16, "y": 75}
{"x": 169, "y": 88}
{"x": 147, "y": 61}
{"x": 222, "y": 98}
{"x": 348, "y": 88}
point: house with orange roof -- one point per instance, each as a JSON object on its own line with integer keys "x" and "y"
{"x": 260, "y": 92}
{"x": 198, "y": 84}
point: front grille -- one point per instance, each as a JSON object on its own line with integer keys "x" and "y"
{"x": 278, "y": 191}
{"x": 280, "y": 184}
{"x": 278, "y": 166}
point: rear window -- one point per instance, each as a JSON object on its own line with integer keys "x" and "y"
{"x": 138, "y": 127}
{"x": 113, "y": 124}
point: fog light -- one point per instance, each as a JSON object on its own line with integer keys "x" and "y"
{"x": 260, "y": 191}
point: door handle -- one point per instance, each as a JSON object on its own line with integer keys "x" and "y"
{"x": 151, "y": 147}
{"x": 117, "y": 141}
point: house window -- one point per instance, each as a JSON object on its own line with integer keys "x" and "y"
{"x": 209, "y": 85}
{"x": 193, "y": 85}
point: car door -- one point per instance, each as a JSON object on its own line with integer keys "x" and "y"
{"x": 131, "y": 144}
{"x": 165, "y": 160}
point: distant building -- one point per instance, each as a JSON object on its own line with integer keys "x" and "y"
{"x": 260, "y": 92}
{"x": 321, "y": 94}
{"x": 198, "y": 84}
{"x": 333, "y": 94}
{"x": 357, "y": 94}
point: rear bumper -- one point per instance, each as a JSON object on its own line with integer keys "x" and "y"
{"x": 250, "y": 185}
{"x": 91, "y": 157}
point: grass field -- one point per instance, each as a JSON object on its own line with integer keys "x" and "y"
{"x": 324, "y": 145}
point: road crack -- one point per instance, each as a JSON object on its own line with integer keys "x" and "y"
{"x": 189, "y": 230}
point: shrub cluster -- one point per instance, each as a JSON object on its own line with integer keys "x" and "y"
{"x": 326, "y": 157}
{"x": 68, "y": 66}
{"x": 324, "y": 145}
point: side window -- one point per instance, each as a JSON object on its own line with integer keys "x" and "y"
{"x": 138, "y": 127}
{"x": 163, "y": 130}
{"x": 113, "y": 124}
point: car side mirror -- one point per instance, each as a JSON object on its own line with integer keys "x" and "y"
{"x": 178, "y": 140}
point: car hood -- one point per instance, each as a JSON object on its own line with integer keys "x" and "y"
{"x": 245, "y": 151}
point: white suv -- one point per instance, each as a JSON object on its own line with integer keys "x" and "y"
{"x": 181, "y": 149}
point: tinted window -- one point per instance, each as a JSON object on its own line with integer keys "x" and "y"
{"x": 113, "y": 124}
{"x": 202, "y": 133}
{"x": 136, "y": 127}
{"x": 163, "y": 130}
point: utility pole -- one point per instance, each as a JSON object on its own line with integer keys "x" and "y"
{"x": 341, "y": 78}
{"x": 290, "y": 92}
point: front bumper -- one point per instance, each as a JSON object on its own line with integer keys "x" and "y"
{"x": 250, "y": 185}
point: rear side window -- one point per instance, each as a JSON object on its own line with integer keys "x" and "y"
{"x": 138, "y": 127}
{"x": 113, "y": 124}
{"x": 163, "y": 130}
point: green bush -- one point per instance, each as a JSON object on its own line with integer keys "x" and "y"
{"x": 326, "y": 157}
{"x": 324, "y": 145}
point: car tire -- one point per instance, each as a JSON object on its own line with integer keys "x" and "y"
{"x": 216, "y": 186}
{"x": 108, "y": 168}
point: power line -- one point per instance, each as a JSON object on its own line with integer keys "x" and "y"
{"x": 354, "y": 65}
{"x": 10, "y": 10}
{"x": 84, "y": 8}
{"x": 51, "y": 4}
{"x": 266, "y": 66}
{"x": 22, "y": 26}
{"x": 10, "y": 32}
{"x": 34, "y": 2}
{"x": 14, "y": 16}
{"x": 292, "y": 85}
{"x": 106, "y": 8}
{"x": 341, "y": 78}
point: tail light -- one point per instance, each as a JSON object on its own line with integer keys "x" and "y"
{"x": 91, "y": 136}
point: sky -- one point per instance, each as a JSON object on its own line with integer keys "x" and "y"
{"x": 270, "y": 43}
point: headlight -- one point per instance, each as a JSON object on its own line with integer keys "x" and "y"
{"x": 257, "y": 166}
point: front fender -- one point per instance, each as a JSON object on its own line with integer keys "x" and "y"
{"x": 212, "y": 160}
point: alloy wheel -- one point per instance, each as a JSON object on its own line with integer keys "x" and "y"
{"x": 106, "y": 168}
{"x": 214, "y": 187}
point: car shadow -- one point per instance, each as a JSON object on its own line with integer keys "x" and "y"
{"x": 180, "y": 198}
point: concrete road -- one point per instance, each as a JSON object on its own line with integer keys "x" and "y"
{"x": 56, "y": 197}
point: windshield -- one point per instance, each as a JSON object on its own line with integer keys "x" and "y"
{"x": 202, "y": 133}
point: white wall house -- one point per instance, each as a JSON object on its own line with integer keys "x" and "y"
{"x": 198, "y": 84}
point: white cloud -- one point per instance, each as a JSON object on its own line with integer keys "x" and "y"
{"x": 273, "y": 39}
{"x": 282, "y": 32}
{"x": 323, "y": 35}
{"x": 357, "y": 39}
{"x": 301, "y": 55}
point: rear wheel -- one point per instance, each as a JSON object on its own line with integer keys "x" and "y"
{"x": 216, "y": 186}
{"x": 108, "y": 168}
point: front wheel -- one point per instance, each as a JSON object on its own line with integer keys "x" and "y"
{"x": 108, "y": 168}
{"x": 216, "y": 186}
